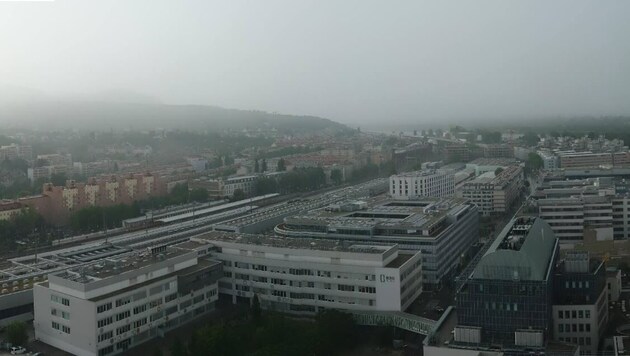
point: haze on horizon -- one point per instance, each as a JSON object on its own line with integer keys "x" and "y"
{"x": 356, "y": 62}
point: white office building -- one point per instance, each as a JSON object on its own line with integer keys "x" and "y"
{"x": 443, "y": 229}
{"x": 584, "y": 208}
{"x": 427, "y": 183}
{"x": 112, "y": 305}
{"x": 305, "y": 276}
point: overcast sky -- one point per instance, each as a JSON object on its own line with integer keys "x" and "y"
{"x": 351, "y": 61}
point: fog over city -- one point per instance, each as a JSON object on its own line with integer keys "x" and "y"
{"x": 355, "y": 62}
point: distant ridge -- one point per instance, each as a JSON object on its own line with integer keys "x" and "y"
{"x": 104, "y": 115}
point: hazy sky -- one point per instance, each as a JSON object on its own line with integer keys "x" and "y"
{"x": 352, "y": 61}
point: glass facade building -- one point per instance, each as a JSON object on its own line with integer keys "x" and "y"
{"x": 511, "y": 289}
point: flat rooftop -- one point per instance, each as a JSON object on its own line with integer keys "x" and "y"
{"x": 109, "y": 267}
{"x": 399, "y": 260}
{"x": 291, "y": 243}
{"x": 383, "y": 212}
{"x": 421, "y": 173}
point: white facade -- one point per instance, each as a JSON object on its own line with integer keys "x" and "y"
{"x": 581, "y": 324}
{"x": 432, "y": 183}
{"x": 304, "y": 276}
{"x": 246, "y": 183}
{"x": 106, "y": 309}
{"x": 550, "y": 160}
{"x": 494, "y": 194}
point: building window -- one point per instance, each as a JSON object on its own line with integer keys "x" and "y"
{"x": 123, "y": 301}
{"x": 581, "y": 314}
{"x": 105, "y": 336}
{"x": 561, "y": 328}
{"x": 560, "y": 314}
{"x": 105, "y": 322}
{"x": 103, "y": 307}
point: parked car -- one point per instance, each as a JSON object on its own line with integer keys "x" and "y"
{"x": 17, "y": 350}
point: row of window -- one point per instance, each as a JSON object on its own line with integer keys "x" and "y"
{"x": 106, "y": 336}
{"x": 60, "y": 313}
{"x": 292, "y": 271}
{"x": 568, "y": 328}
{"x": 63, "y": 328}
{"x": 583, "y": 341}
{"x": 574, "y": 314}
{"x": 60, "y": 300}
{"x": 128, "y": 299}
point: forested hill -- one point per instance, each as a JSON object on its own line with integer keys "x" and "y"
{"x": 90, "y": 115}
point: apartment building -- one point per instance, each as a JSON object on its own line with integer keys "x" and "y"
{"x": 497, "y": 150}
{"x": 494, "y": 194}
{"x": 584, "y": 159}
{"x": 57, "y": 203}
{"x": 426, "y": 183}
{"x": 110, "y": 306}
{"x": 442, "y": 229}
{"x": 245, "y": 183}
{"x": 305, "y": 276}
{"x": 9, "y": 209}
{"x": 14, "y": 151}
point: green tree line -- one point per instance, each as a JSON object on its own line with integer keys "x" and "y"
{"x": 331, "y": 333}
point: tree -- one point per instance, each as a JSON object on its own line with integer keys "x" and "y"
{"x": 256, "y": 166}
{"x": 281, "y": 165}
{"x": 491, "y": 137}
{"x": 264, "y": 165}
{"x": 178, "y": 348}
{"x": 336, "y": 176}
{"x": 266, "y": 185}
{"x": 415, "y": 132}
{"x": 199, "y": 195}
{"x": 498, "y": 171}
{"x": 531, "y": 139}
{"x": 335, "y": 330}
{"x": 58, "y": 179}
{"x": 534, "y": 163}
{"x": 16, "y": 333}
{"x": 256, "y": 312}
{"x": 238, "y": 195}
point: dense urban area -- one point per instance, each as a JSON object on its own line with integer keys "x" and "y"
{"x": 283, "y": 240}
{"x": 314, "y": 178}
